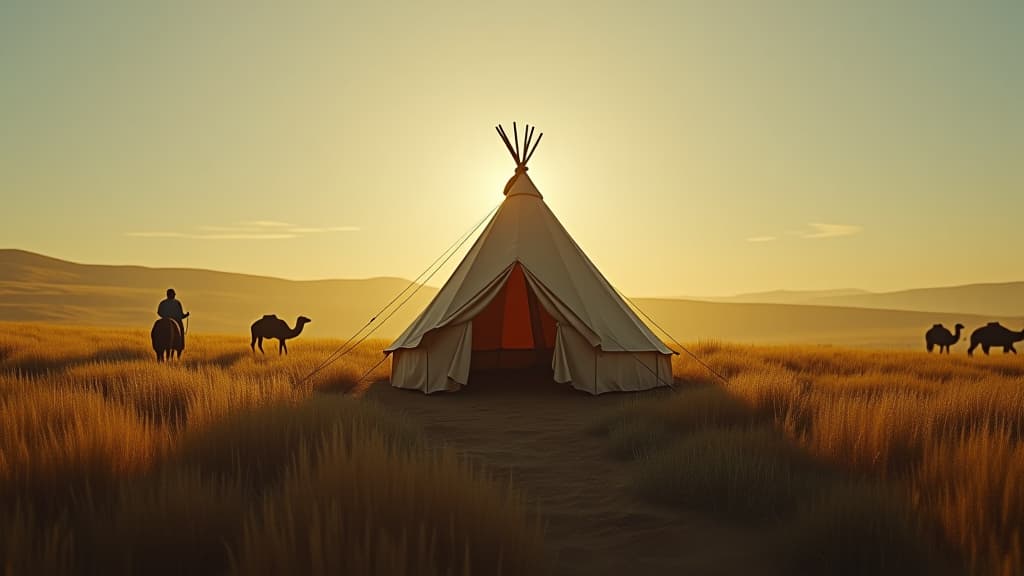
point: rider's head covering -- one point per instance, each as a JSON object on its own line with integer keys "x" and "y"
{"x": 170, "y": 292}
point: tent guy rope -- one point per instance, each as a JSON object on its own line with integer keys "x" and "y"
{"x": 707, "y": 367}
{"x": 348, "y": 346}
{"x": 672, "y": 338}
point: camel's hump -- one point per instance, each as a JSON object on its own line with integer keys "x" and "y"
{"x": 270, "y": 316}
{"x": 936, "y": 325}
{"x": 993, "y": 323}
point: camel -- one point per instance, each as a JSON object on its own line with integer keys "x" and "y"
{"x": 270, "y": 326}
{"x": 994, "y": 335}
{"x": 167, "y": 339}
{"x": 939, "y": 336}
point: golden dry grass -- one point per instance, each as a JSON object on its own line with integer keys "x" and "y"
{"x": 111, "y": 463}
{"x": 942, "y": 432}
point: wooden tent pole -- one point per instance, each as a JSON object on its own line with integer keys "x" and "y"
{"x": 520, "y": 156}
{"x": 515, "y": 134}
{"x": 504, "y": 138}
{"x": 527, "y": 136}
{"x": 530, "y": 155}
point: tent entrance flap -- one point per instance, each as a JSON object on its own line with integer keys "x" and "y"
{"x": 514, "y": 330}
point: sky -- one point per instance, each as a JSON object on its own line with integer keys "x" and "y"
{"x": 691, "y": 148}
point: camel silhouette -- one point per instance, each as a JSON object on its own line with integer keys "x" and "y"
{"x": 939, "y": 336}
{"x": 167, "y": 339}
{"x": 270, "y": 326}
{"x": 994, "y": 335}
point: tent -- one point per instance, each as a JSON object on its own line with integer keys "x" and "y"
{"x": 527, "y": 295}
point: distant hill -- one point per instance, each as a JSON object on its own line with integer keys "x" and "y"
{"x": 42, "y": 289}
{"x": 35, "y": 288}
{"x": 784, "y": 296}
{"x": 690, "y": 320}
{"x": 1003, "y": 299}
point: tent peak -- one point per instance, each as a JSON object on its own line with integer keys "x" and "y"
{"x": 520, "y": 184}
{"x": 524, "y": 156}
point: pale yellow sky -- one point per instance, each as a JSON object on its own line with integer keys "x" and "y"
{"x": 691, "y": 148}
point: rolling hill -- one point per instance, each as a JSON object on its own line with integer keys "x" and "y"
{"x": 690, "y": 320}
{"x": 780, "y": 296}
{"x": 36, "y": 288}
{"x": 1003, "y": 299}
{"x": 993, "y": 299}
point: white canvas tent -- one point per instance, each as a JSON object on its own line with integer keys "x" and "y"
{"x": 527, "y": 294}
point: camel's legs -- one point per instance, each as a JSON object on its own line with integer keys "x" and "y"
{"x": 260, "y": 341}
{"x": 284, "y": 344}
{"x": 984, "y": 348}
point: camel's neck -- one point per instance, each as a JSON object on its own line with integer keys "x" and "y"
{"x": 957, "y": 333}
{"x": 297, "y": 330}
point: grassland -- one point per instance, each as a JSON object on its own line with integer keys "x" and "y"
{"x": 868, "y": 462}
{"x": 843, "y": 461}
{"x": 112, "y": 464}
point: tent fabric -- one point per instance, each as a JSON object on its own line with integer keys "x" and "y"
{"x": 514, "y": 319}
{"x": 525, "y": 284}
{"x": 592, "y": 370}
{"x": 441, "y": 363}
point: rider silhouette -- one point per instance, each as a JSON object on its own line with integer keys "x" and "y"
{"x": 171, "y": 308}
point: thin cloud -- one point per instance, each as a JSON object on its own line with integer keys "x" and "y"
{"x": 265, "y": 223}
{"x": 821, "y": 230}
{"x": 231, "y": 229}
{"x": 220, "y": 236}
{"x": 322, "y": 230}
{"x": 250, "y": 230}
{"x": 814, "y": 230}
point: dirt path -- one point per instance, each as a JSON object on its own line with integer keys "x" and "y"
{"x": 595, "y": 524}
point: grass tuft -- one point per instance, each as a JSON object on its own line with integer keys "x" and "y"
{"x": 742, "y": 473}
{"x": 859, "y": 528}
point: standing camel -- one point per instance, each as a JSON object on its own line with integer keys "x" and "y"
{"x": 939, "y": 336}
{"x": 270, "y": 326}
{"x": 994, "y": 335}
{"x": 167, "y": 339}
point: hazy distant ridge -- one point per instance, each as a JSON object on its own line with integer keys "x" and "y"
{"x": 994, "y": 299}
{"x": 1005, "y": 299}
{"x": 40, "y": 288}
{"x": 782, "y": 296}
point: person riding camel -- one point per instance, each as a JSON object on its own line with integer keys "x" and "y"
{"x": 171, "y": 308}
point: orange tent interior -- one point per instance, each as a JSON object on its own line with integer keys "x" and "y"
{"x": 514, "y": 330}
